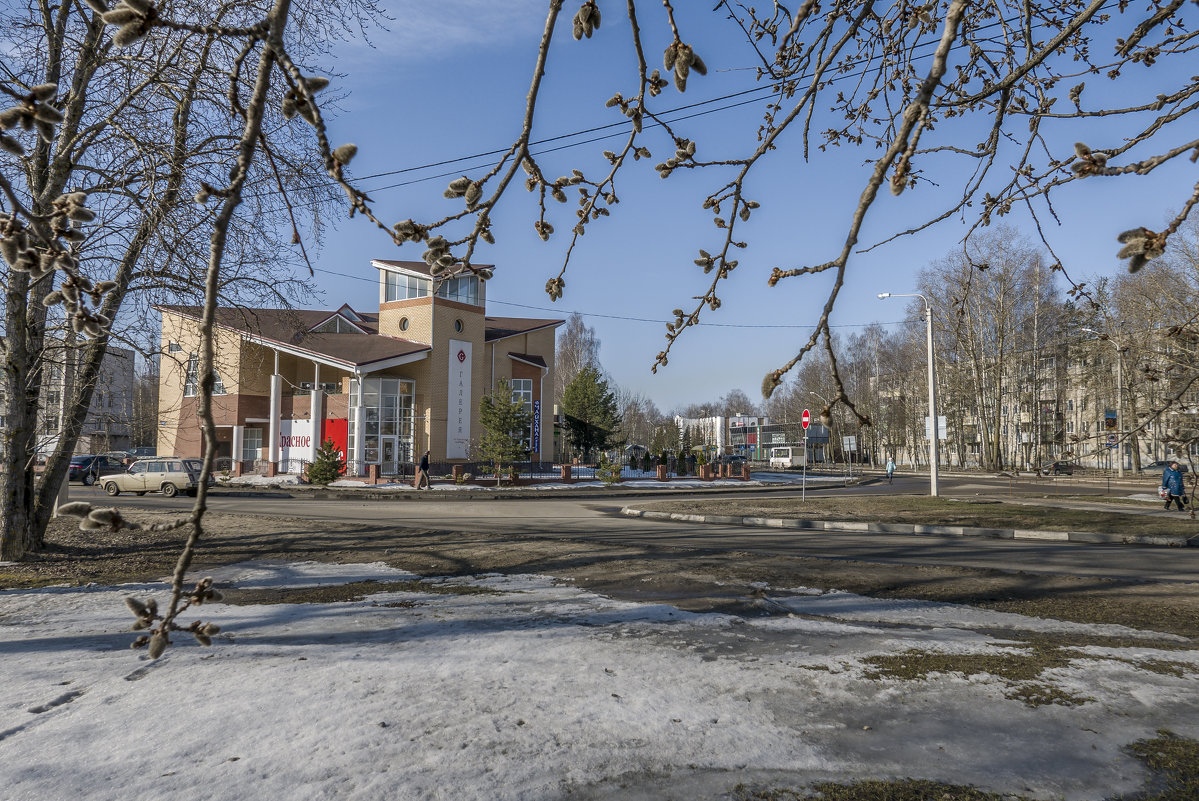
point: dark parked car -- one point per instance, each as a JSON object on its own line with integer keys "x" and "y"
{"x": 89, "y": 468}
{"x": 1160, "y": 466}
{"x": 144, "y": 452}
{"x": 1058, "y": 468}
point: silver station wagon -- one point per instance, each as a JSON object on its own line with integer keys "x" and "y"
{"x": 165, "y": 475}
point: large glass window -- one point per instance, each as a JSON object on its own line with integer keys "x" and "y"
{"x": 251, "y": 444}
{"x": 193, "y": 370}
{"x": 522, "y": 392}
{"x": 387, "y": 415}
{"x": 399, "y": 286}
{"x": 335, "y": 325}
{"x": 189, "y": 382}
{"x": 462, "y": 288}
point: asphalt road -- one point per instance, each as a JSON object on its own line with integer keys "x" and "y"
{"x": 598, "y": 519}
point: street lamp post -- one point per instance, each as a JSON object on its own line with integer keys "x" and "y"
{"x": 1119, "y": 400}
{"x": 933, "y": 450}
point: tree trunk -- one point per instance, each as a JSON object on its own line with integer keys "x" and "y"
{"x": 22, "y": 384}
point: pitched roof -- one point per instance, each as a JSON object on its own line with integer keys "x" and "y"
{"x": 501, "y": 327}
{"x": 351, "y": 318}
{"x": 290, "y": 328}
{"x": 527, "y": 358}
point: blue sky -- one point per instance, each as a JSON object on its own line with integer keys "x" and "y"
{"x": 449, "y": 80}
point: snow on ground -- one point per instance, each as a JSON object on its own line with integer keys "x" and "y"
{"x": 539, "y": 690}
{"x": 257, "y": 481}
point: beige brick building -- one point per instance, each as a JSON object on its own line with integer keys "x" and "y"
{"x": 385, "y": 386}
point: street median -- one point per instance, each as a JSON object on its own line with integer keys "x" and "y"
{"x": 1170, "y": 539}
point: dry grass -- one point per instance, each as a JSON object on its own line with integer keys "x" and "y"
{"x": 1173, "y": 760}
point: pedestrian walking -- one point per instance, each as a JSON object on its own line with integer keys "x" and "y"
{"x": 422, "y": 472}
{"x": 1172, "y": 484}
{"x": 890, "y": 469}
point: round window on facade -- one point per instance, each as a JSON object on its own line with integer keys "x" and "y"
{"x": 403, "y": 323}
{"x": 458, "y": 326}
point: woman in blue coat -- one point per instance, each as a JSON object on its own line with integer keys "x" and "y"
{"x": 1172, "y": 481}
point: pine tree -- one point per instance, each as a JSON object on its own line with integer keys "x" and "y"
{"x": 506, "y": 428}
{"x": 590, "y": 412}
{"x": 328, "y": 465}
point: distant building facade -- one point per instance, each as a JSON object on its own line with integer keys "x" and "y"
{"x": 109, "y": 419}
{"x": 385, "y": 386}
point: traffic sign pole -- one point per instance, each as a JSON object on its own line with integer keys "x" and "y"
{"x": 804, "y": 420}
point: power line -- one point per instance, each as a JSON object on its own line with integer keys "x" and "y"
{"x": 635, "y": 319}
{"x": 559, "y": 147}
{"x": 624, "y": 124}
{"x": 559, "y": 137}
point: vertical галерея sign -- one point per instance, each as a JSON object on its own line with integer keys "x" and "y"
{"x": 457, "y": 430}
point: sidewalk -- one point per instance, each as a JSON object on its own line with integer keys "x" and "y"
{"x": 1147, "y": 509}
{"x": 1170, "y": 540}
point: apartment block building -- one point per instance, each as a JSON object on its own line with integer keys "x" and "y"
{"x": 109, "y": 419}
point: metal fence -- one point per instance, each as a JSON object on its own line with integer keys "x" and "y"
{"x": 405, "y": 472}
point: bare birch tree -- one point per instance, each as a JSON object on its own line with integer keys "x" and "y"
{"x": 577, "y": 347}
{"x": 105, "y": 147}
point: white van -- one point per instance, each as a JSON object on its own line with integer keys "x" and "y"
{"x": 785, "y": 457}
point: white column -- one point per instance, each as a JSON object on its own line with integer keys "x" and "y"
{"x": 317, "y": 416}
{"x": 276, "y": 396}
{"x": 239, "y": 438}
{"x": 359, "y": 432}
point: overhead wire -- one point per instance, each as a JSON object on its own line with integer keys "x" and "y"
{"x": 624, "y": 124}
{"x": 628, "y": 318}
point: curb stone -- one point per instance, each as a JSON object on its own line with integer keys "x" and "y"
{"x": 1170, "y": 540}
{"x": 368, "y": 492}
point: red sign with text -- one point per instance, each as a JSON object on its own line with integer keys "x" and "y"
{"x": 338, "y": 431}
{"x": 807, "y": 418}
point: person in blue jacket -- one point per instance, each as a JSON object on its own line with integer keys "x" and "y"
{"x": 1172, "y": 481}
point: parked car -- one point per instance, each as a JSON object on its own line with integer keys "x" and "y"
{"x": 124, "y": 457}
{"x": 89, "y": 468}
{"x": 1160, "y": 465}
{"x": 735, "y": 459}
{"x": 143, "y": 452}
{"x": 1059, "y": 468}
{"x": 168, "y": 476}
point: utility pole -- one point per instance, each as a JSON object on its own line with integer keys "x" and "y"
{"x": 934, "y": 429}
